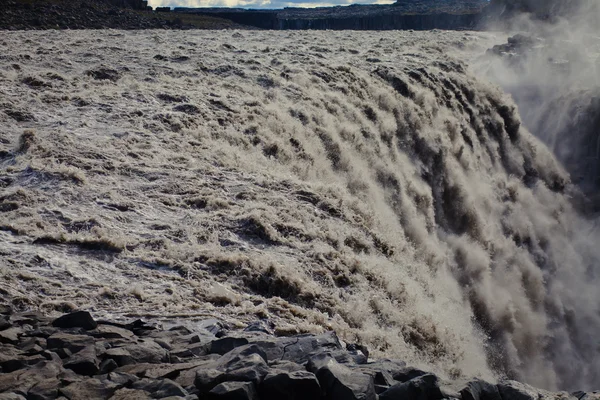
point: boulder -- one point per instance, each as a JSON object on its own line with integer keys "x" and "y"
{"x": 111, "y": 332}
{"x": 245, "y": 364}
{"x": 147, "y": 352}
{"x": 120, "y": 356}
{"x": 480, "y": 390}
{"x": 11, "y": 335}
{"x": 77, "y": 319}
{"x": 89, "y": 389}
{"x": 84, "y": 362}
{"x": 424, "y": 387}
{"x": 233, "y": 391}
{"x": 340, "y": 382}
{"x": 22, "y": 381}
{"x": 130, "y": 394}
{"x": 160, "y": 388}
{"x": 296, "y": 385}
{"x": 44, "y": 390}
{"x": 513, "y": 390}
{"x": 73, "y": 343}
{"x": 225, "y": 345}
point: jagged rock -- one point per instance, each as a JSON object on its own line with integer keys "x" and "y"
{"x": 107, "y": 366}
{"x": 77, "y": 319}
{"x": 147, "y": 352}
{"x": 130, "y": 394}
{"x": 4, "y": 324}
{"x": 160, "y": 388}
{"x": 290, "y": 386}
{"x": 286, "y": 366}
{"x": 233, "y": 391}
{"x": 5, "y": 309}
{"x": 297, "y": 348}
{"x": 73, "y": 343}
{"x": 84, "y": 362}
{"x": 213, "y": 326}
{"x": 246, "y": 363}
{"x": 11, "y": 396}
{"x": 44, "y": 390}
{"x": 111, "y": 332}
{"x": 480, "y": 390}
{"x": 120, "y": 356}
{"x": 190, "y": 351}
{"x": 41, "y": 332}
{"x": 340, "y": 382}
{"x": 225, "y": 345}
{"x": 23, "y": 380}
{"x": 424, "y": 387}
{"x": 91, "y": 388}
{"x": 121, "y": 379}
{"x": 259, "y": 326}
{"x": 11, "y": 335}
{"x": 590, "y": 396}
{"x": 513, "y": 390}
{"x": 21, "y": 362}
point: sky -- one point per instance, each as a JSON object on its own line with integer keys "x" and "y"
{"x": 259, "y": 3}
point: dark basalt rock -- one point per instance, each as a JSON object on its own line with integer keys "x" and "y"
{"x": 126, "y": 361}
{"x": 233, "y": 391}
{"x": 290, "y": 386}
{"x": 77, "y": 319}
{"x": 424, "y": 387}
{"x": 84, "y": 362}
{"x": 340, "y": 382}
{"x": 480, "y": 390}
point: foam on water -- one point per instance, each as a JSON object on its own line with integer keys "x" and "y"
{"x": 356, "y": 181}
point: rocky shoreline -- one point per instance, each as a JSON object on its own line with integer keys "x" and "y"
{"x": 101, "y": 14}
{"x": 77, "y": 357}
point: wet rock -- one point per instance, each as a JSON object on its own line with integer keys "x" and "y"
{"x": 480, "y": 390}
{"x": 233, "y": 391}
{"x": 290, "y": 386}
{"x": 84, "y": 362}
{"x": 77, "y": 319}
{"x": 424, "y": 387}
{"x": 340, "y": 382}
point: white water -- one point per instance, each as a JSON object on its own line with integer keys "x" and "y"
{"x": 356, "y": 181}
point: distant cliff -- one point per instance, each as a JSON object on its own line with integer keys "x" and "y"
{"x": 417, "y": 15}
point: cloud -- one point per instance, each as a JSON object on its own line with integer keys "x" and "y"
{"x": 257, "y": 3}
